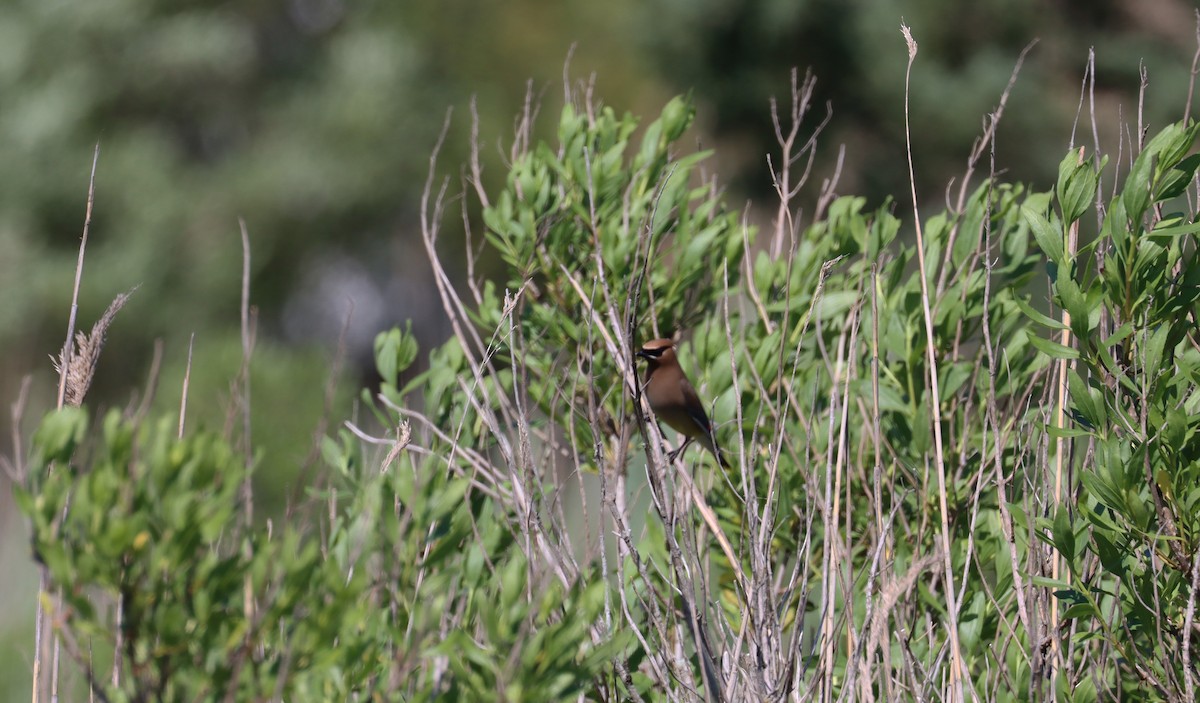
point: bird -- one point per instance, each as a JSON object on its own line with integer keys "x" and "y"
{"x": 674, "y": 400}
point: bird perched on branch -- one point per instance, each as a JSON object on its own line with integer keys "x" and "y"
{"x": 674, "y": 400}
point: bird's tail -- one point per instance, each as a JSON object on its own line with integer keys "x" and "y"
{"x": 710, "y": 443}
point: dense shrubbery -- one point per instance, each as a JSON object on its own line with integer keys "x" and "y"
{"x": 522, "y": 538}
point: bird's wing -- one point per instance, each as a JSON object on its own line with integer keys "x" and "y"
{"x": 696, "y": 412}
{"x": 695, "y": 406}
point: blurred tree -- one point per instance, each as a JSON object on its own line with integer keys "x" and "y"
{"x": 736, "y": 53}
{"x": 311, "y": 119}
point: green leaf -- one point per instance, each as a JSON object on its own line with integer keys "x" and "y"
{"x": 331, "y": 452}
{"x": 1169, "y": 146}
{"x": 1076, "y": 186}
{"x": 1103, "y": 491}
{"x": 1171, "y": 231}
{"x": 450, "y": 497}
{"x": 677, "y": 116}
{"x": 1048, "y": 235}
{"x": 1036, "y": 316}
{"x": 1067, "y": 432}
{"x": 1085, "y": 691}
{"x": 1111, "y": 558}
{"x": 1136, "y": 194}
{"x": 1176, "y": 180}
{"x": 1046, "y": 582}
{"x": 1053, "y": 349}
{"x": 395, "y": 351}
{"x": 1083, "y": 307}
{"x": 24, "y": 500}
{"x": 1118, "y": 336}
{"x": 1064, "y": 536}
{"x": 59, "y": 433}
{"x": 1155, "y": 350}
{"x": 1088, "y": 401}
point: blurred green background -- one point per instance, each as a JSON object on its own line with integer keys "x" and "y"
{"x": 314, "y": 119}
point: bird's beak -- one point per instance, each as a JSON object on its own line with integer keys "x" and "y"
{"x": 642, "y": 354}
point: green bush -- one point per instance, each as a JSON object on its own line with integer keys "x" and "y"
{"x": 521, "y": 536}
{"x": 1130, "y": 536}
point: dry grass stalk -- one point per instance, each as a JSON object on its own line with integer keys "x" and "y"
{"x": 63, "y": 366}
{"x": 80, "y": 359}
{"x": 958, "y": 672}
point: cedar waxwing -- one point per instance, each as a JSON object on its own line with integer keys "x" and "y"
{"x": 673, "y": 399}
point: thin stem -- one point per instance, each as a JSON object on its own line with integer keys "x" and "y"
{"x": 956, "y": 674}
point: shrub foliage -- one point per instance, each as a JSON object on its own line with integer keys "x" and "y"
{"x": 1013, "y": 514}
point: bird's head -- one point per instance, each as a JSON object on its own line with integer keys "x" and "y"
{"x": 658, "y": 351}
